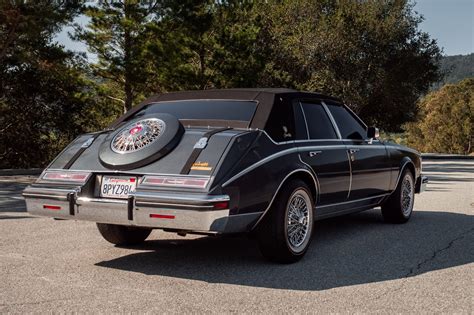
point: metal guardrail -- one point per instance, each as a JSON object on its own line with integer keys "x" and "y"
{"x": 435, "y": 156}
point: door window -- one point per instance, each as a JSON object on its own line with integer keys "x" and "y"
{"x": 319, "y": 124}
{"x": 349, "y": 126}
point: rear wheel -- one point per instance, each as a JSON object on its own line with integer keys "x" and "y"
{"x": 399, "y": 207}
{"x": 285, "y": 233}
{"x": 123, "y": 235}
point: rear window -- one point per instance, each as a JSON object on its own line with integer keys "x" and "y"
{"x": 204, "y": 110}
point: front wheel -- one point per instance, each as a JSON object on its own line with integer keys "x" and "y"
{"x": 123, "y": 235}
{"x": 285, "y": 233}
{"x": 399, "y": 207}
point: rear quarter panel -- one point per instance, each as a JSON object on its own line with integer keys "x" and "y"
{"x": 400, "y": 157}
{"x": 255, "y": 178}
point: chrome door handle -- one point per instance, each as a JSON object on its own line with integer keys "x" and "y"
{"x": 314, "y": 153}
{"x": 352, "y": 151}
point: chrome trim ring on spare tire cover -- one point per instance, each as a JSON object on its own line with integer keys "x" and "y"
{"x": 138, "y": 135}
{"x": 140, "y": 141}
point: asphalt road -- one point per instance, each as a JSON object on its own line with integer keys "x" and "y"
{"x": 356, "y": 263}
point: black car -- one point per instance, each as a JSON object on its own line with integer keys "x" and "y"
{"x": 265, "y": 161}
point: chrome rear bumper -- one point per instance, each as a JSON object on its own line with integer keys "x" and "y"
{"x": 191, "y": 212}
{"x": 421, "y": 184}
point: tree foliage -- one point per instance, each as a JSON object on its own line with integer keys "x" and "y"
{"x": 41, "y": 85}
{"x": 445, "y": 121}
{"x": 119, "y": 34}
{"x": 370, "y": 53}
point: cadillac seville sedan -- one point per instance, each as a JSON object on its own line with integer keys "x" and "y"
{"x": 263, "y": 161}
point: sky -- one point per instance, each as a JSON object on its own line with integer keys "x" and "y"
{"x": 450, "y": 22}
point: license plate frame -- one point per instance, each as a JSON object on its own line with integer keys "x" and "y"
{"x": 117, "y": 186}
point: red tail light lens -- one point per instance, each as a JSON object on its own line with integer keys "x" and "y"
{"x": 51, "y": 207}
{"x": 65, "y": 176}
{"x": 221, "y": 205}
{"x": 161, "y": 216}
{"x": 168, "y": 181}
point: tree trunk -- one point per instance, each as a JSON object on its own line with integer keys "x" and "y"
{"x": 127, "y": 58}
{"x": 202, "y": 70}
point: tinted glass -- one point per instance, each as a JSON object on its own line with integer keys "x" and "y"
{"x": 300, "y": 122}
{"x": 319, "y": 125}
{"x": 281, "y": 123}
{"x": 349, "y": 126}
{"x": 204, "y": 109}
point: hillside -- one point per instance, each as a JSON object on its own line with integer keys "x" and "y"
{"x": 456, "y": 68}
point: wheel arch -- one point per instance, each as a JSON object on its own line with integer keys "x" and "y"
{"x": 303, "y": 174}
{"x": 406, "y": 163}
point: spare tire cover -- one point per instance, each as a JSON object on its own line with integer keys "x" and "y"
{"x": 141, "y": 141}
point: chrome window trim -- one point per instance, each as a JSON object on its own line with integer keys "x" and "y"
{"x": 331, "y": 118}
{"x": 356, "y": 116}
{"x": 323, "y": 147}
{"x": 350, "y": 173}
{"x": 366, "y": 146}
{"x": 296, "y": 141}
{"x": 278, "y": 189}
{"x": 305, "y": 120}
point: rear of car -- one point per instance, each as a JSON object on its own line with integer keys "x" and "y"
{"x": 158, "y": 168}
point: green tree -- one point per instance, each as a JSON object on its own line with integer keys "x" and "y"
{"x": 370, "y": 53}
{"x": 445, "y": 121}
{"x": 206, "y": 44}
{"x": 120, "y": 35}
{"x": 42, "y": 87}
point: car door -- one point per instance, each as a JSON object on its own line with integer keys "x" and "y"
{"x": 325, "y": 152}
{"x": 370, "y": 165}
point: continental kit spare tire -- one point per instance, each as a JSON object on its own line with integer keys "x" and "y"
{"x": 140, "y": 141}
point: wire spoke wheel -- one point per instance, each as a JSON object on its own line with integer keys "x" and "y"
{"x": 407, "y": 195}
{"x": 298, "y": 220}
{"x": 138, "y": 135}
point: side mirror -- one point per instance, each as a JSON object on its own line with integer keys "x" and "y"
{"x": 373, "y": 133}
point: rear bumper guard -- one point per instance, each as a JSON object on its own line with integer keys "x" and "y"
{"x": 186, "y": 212}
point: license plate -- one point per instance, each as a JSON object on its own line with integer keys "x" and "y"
{"x": 117, "y": 187}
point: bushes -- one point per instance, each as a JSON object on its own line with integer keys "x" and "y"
{"x": 445, "y": 122}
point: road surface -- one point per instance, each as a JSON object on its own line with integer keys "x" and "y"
{"x": 356, "y": 263}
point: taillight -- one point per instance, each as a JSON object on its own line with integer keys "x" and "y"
{"x": 65, "y": 176}
{"x": 221, "y": 205}
{"x": 51, "y": 207}
{"x": 171, "y": 181}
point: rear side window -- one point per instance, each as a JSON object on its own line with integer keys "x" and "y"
{"x": 319, "y": 125}
{"x": 281, "y": 122}
{"x": 349, "y": 126}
